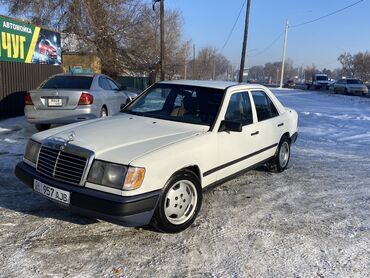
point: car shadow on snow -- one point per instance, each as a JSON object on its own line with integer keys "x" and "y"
{"x": 16, "y": 197}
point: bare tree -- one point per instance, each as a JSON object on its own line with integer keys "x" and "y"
{"x": 209, "y": 64}
{"x": 361, "y": 65}
{"x": 346, "y": 59}
{"x": 123, "y": 33}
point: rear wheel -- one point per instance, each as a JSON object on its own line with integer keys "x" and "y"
{"x": 42, "y": 127}
{"x": 281, "y": 160}
{"x": 179, "y": 204}
{"x": 103, "y": 112}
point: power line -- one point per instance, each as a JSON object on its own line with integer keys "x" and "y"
{"x": 232, "y": 29}
{"x": 269, "y": 46}
{"x": 327, "y": 15}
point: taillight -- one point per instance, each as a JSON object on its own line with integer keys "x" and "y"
{"x": 28, "y": 99}
{"x": 86, "y": 99}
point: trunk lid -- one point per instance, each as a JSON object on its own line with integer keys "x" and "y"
{"x": 56, "y": 99}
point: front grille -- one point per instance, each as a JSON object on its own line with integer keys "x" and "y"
{"x": 61, "y": 165}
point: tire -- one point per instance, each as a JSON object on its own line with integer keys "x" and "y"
{"x": 103, "y": 112}
{"x": 42, "y": 127}
{"x": 179, "y": 203}
{"x": 280, "y": 162}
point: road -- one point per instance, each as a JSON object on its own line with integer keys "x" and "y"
{"x": 312, "y": 220}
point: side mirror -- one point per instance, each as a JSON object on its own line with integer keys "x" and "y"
{"x": 230, "y": 126}
{"x": 123, "y": 88}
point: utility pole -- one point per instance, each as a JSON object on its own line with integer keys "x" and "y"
{"x": 214, "y": 69}
{"x": 186, "y": 62}
{"x": 162, "y": 39}
{"x": 161, "y": 18}
{"x": 193, "y": 77}
{"x": 244, "y": 49}
{"x": 284, "y": 51}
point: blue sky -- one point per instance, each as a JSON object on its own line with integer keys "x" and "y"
{"x": 208, "y": 23}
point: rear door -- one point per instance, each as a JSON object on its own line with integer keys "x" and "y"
{"x": 119, "y": 96}
{"x": 107, "y": 95}
{"x": 269, "y": 126}
{"x": 61, "y": 92}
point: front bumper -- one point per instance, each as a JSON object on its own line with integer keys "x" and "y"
{"x": 60, "y": 116}
{"x": 358, "y": 91}
{"x": 130, "y": 211}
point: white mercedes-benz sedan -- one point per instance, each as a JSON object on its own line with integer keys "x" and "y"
{"x": 151, "y": 163}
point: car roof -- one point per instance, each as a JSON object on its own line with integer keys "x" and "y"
{"x": 223, "y": 85}
{"x": 78, "y": 74}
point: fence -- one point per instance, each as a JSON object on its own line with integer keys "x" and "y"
{"x": 140, "y": 83}
{"x": 15, "y": 80}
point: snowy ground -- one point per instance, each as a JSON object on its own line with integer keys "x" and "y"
{"x": 312, "y": 220}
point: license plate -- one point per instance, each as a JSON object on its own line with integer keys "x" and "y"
{"x": 52, "y": 192}
{"x": 55, "y": 102}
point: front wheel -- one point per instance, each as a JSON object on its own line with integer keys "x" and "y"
{"x": 179, "y": 204}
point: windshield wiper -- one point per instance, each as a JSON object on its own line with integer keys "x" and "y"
{"x": 133, "y": 113}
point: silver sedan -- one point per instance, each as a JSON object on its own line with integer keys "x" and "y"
{"x": 69, "y": 98}
{"x": 350, "y": 86}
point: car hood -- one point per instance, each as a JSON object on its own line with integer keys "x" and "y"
{"x": 123, "y": 138}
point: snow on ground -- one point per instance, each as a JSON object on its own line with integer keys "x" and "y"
{"x": 311, "y": 220}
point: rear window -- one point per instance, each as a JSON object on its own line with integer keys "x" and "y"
{"x": 68, "y": 82}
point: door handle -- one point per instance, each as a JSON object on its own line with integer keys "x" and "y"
{"x": 255, "y": 133}
{"x": 281, "y": 124}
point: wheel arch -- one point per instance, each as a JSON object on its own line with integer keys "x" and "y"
{"x": 106, "y": 108}
{"x": 191, "y": 168}
{"x": 287, "y": 134}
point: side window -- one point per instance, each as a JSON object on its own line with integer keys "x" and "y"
{"x": 239, "y": 109}
{"x": 264, "y": 106}
{"x": 103, "y": 83}
{"x": 112, "y": 85}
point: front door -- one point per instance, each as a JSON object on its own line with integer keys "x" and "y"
{"x": 235, "y": 149}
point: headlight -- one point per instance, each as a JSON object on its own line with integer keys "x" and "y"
{"x": 115, "y": 175}
{"x": 32, "y": 151}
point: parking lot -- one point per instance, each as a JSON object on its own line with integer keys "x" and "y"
{"x": 311, "y": 220}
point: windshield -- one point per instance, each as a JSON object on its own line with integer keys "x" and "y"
{"x": 354, "y": 81}
{"x": 188, "y": 104}
{"x": 322, "y": 78}
{"x": 68, "y": 82}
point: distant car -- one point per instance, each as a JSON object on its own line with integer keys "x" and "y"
{"x": 350, "y": 86}
{"x": 289, "y": 84}
{"x": 151, "y": 163}
{"x": 48, "y": 49}
{"x": 69, "y": 98}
